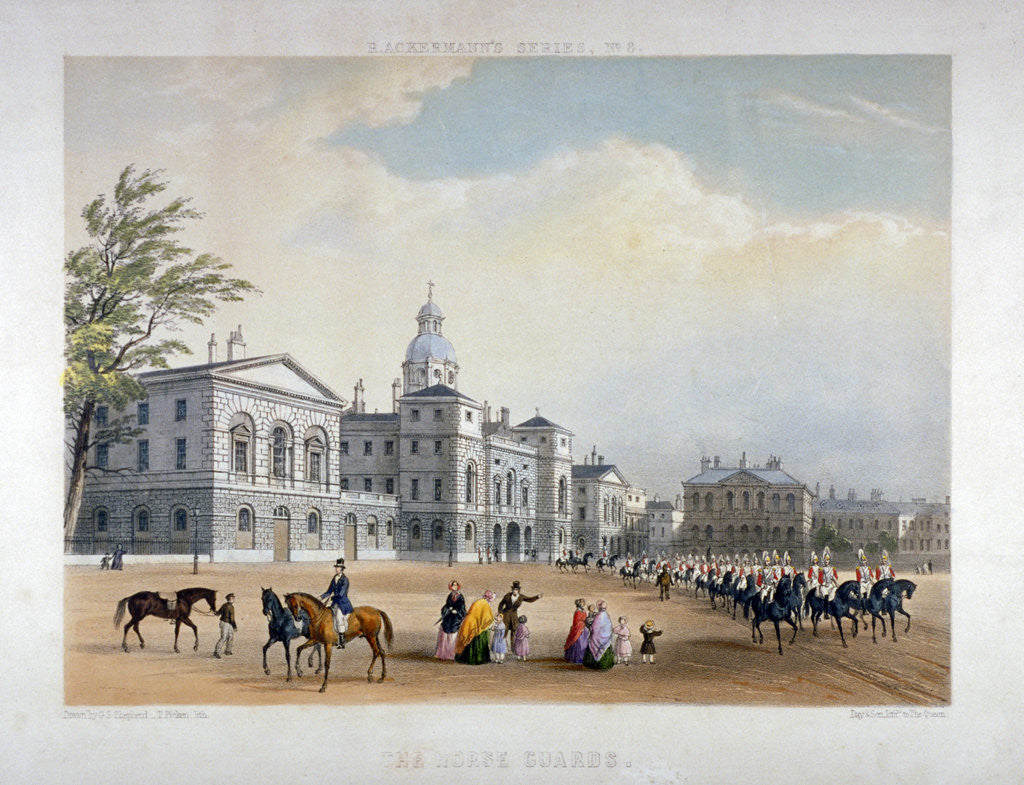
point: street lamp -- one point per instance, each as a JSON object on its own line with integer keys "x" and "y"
{"x": 451, "y": 543}
{"x": 195, "y": 541}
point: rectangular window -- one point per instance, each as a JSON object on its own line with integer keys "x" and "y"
{"x": 414, "y": 447}
{"x": 143, "y": 414}
{"x": 367, "y": 448}
{"x": 389, "y": 485}
{"x": 241, "y": 456}
{"x": 389, "y": 448}
{"x": 180, "y": 410}
{"x": 414, "y": 415}
{"x": 179, "y": 453}
{"x": 368, "y": 484}
{"x": 344, "y": 483}
{"x": 314, "y": 467}
{"x": 437, "y": 490}
{"x": 469, "y": 415}
{"x": 437, "y": 447}
{"x": 526, "y": 496}
{"x": 102, "y": 455}
{"x": 583, "y": 513}
{"x": 497, "y": 461}
{"x": 344, "y": 448}
{"x": 438, "y": 415}
{"x": 101, "y": 416}
{"x": 415, "y": 489}
{"x": 143, "y": 451}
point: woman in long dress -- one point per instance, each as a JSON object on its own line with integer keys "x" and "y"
{"x": 472, "y": 644}
{"x": 452, "y": 614}
{"x": 579, "y": 635}
{"x": 599, "y": 654}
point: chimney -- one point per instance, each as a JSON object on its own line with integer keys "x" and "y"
{"x": 396, "y": 385}
{"x": 718, "y": 463}
{"x": 679, "y": 501}
{"x": 743, "y": 460}
{"x": 947, "y": 501}
{"x": 358, "y": 403}
{"x": 832, "y": 492}
{"x": 817, "y": 490}
{"x": 505, "y": 415}
{"x": 235, "y": 339}
{"x": 851, "y": 495}
{"x": 212, "y": 347}
{"x": 657, "y": 497}
{"x": 600, "y": 460}
{"x": 593, "y": 456}
{"x": 705, "y": 464}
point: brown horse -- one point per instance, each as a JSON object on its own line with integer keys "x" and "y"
{"x": 149, "y": 603}
{"x": 364, "y": 621}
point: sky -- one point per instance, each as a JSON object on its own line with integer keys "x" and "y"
{"x": 671, "y": 257}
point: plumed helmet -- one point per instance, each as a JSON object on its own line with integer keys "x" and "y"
{"x": 787, "y": 558}
{"x": 885, "y": 556}
{"x": 827, "y": 555}
{"x": 814, "y": 558}
{"x": 861, "y": 555}
{"x": 775, "y": 557}
{"x": 765, "y": 557}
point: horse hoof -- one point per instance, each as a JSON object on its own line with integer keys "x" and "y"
{"x": 176, "y": 650}
{"x": 369, "y": 679}
{"x": 142, "y": 646}
{"x": 288, "y": 679}
{"x": 266, "y": 671}
{"x": 323, "y": 689}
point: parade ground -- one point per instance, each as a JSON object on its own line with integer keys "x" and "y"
{"x": 703, "y": 657}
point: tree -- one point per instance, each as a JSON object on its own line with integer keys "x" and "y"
{"x": 828, "y": 536}
{"x": 888, "y": 542}
{"x": 124, "y": 292}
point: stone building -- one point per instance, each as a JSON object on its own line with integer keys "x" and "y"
{"x": 920, "y": 527}
{"x": 608, "y": 512}
{"x": 665, "y": 530}
{"x": 746, "y": 508}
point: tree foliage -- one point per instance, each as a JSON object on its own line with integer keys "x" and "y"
{"x": 126, "y": 292}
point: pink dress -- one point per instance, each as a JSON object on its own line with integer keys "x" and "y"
{"x": 623, "y": 648}
{"x": 521, "y": 645}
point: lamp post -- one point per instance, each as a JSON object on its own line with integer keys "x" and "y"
{"x": 195, "y": 541}
{"x": 451, "y": 543}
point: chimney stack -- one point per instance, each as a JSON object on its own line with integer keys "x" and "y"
{"x": 705, "y": 464}
{"x": 212, "y": 347}
{"x": 505, "y": 416}
{"x": 817, "y": 490}
{"x": 832, "y": 492}
{"x": 358, "y": 402}
{"x": 593, "y": 456}
{"x": 600, "y": 460}
{"x": 396, "y": 385}
{"x": 743, "y": 460}
{"x": 235, "y": 339}
{"x": 718, "y": 463}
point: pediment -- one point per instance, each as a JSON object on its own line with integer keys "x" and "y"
{"x": 280, "y": 373}
{"x": 743, "y": 478}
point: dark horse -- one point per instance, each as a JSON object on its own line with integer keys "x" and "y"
{"x": 783, "y": 607}
{"x": 364, "y": 621}
{"x": 841, "y": 607}
{"x": 149, "y": 603}
{"x": 886, "y": 597}
{"x": 283, "y": 628}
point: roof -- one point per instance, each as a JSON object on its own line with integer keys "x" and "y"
{"x": 882, "y": 507}
{"x": 205, "y": 366}
{"x": 660, "y": 506}
{"x": 589, "y": 471}
{"x": 430, "y": 309}
{"x": 541, "y": 422}
{"x": 430, "y": 346}
{"x": 375, "y": 417}
{"x": 717, "y": 476}
{"x": 438, "y": 391}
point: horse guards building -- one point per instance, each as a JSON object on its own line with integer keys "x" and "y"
{"x": 256, "y": 459}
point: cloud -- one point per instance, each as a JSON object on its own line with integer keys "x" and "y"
{"x": 893, "y": 117}
{"x": 806, "y": 107}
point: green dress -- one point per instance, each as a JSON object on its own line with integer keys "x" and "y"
{"x": 478, "y": 652}
{"x": 607, "y": 660}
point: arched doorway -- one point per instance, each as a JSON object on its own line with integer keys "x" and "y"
{"x": 496, "y": 539}
{"x": 282, "y": 519}
{"x": 513, "y": 548}
{"x": 350, "y": 536}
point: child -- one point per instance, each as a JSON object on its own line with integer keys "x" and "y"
{"x": 498, "y": 645}
{"x": 227, "y": 626}
{"x": 591, "y": 614}
{"x": 521, "y": 646}
{"x": 623, "y": 648}
{"x": 647, "y": 647}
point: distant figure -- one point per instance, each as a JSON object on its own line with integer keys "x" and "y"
{"x": 479, "y": 556}
{"x": 488, "y": 554}
{"x": 227, "y": 626}
{"x": 117, "y": 563}
{"x": 521, "y": 645}
{"x": 664, "y": 582}
{"x": 929, "y": 566}
{"x": 623, "y": 648}
{"x": 105, "y": 561}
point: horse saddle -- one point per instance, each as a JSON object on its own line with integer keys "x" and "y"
{"x": 170, "y": 598}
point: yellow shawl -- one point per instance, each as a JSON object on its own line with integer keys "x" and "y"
{"x": 478, "y": 620}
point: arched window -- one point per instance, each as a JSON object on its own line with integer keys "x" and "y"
{"x": 791, "y": 503}
{"x": 244, "y": 519}
{"x": 746, "y": 500}
{"x": 316, "y": 449}
{"x": 729, "y": 500}
{"x": 371, "y": 528}
{"x": 497, "y": 492}
{"x": 696, "y": 501}
{"x": 415, "y": 531}
{"x": 561, "y": 494}
{"x": 279, "y": 451}
{"x": 102, "y": 519}
{"x": 469, "y": 534}
{"x": 438, "y": 530}
{"x": 709, "y": 532}
{"x": 790, "y": 534}
{"x": 180, "y": 520}
{"x": 695, "y": 533}
{"x": 142, "y": 521}
{"x": 744, "y": 531}
{"x": 470, "y": 482}
{"x": 775, "y": 502}
{"x": 389, "y": 529}
{"x": 760, "y": 500}
{"x": 313, "y": 522}
{"x": 509, "y": 485}
{"x": 709, "y": 501}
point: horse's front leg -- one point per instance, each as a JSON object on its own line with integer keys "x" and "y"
{"x": 287, "y": 643}
{"x": 177, "y": 628}
{"x": 892, "y": 624}
{"x": 327, "y": 665}
{"x": 266, "y": 668}
{"x": 320, "y": 659}
{"x": 900, "y": 610}
{"x": 298, "y": 656}
{"x": 195, "y": 631}
{"x": 778, "y": 634}
{"x": 839, "y": 624}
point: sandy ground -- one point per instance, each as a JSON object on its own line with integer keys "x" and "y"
{"x": 704, "y": 657}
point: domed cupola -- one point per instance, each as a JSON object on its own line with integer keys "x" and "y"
{"x": 430, "y": 358}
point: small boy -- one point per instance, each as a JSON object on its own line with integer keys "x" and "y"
{"x": 227, "y": 626}
{"x": 647, "y": 647}
{"x": 521, "y": 646}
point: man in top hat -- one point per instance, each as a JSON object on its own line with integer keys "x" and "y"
{"x": 340, "y": 605}
{"x": 509, "y": 608}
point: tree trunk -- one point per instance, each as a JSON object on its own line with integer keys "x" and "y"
{"x": 79, "y": 456}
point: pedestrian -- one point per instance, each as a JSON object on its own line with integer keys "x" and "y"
{"x": 599, "y": 655}
{"x": 521, "y": 646}
{"x": 471, "y": 645}
{"x": 452, "y": 614}
{"x": 647, "y": 647}
{"x": 498, "y": 646}
{"x": 929, "y": 566}
{"x": 117, "y": 563}
{"x": 341, "y": 607}
{"x": 623, "y": 648}
{"x": 226, "y": 612}
{"x": 105, "y": 561}
{"x": 664, "y": 582}
{"x": 579, "y": 635}
{"x": 509, "y": 607}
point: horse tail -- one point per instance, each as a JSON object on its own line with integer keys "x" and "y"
{"x": 388, "y": 630}
{"x": 119, "y": 614}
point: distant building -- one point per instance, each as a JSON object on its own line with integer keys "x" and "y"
{"x": 665, "y": 526}
{"x": 746, "y": 508}
{"x": 601, "y": 495}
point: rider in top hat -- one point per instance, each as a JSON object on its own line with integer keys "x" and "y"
{"x": 509, "y": 607}
{"x": 340, "y": 605}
